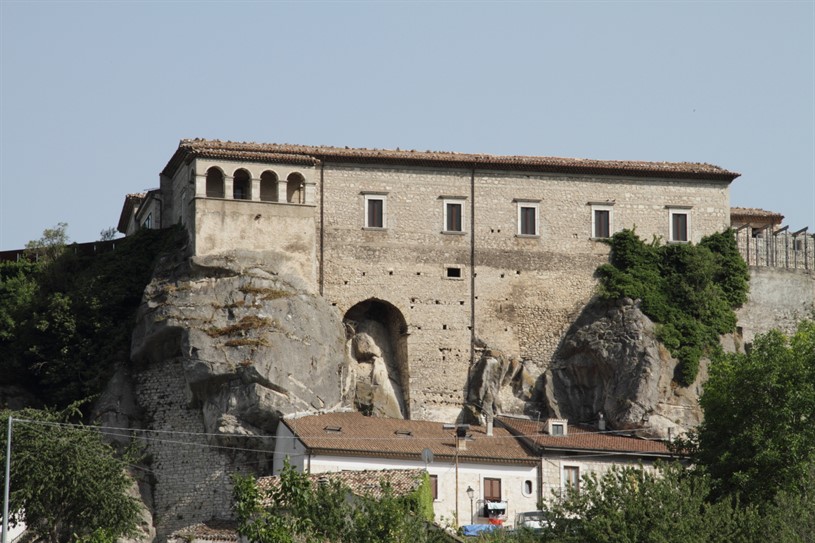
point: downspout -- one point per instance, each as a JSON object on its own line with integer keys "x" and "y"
{"x": 322, "y": 225}
{"x": 472, "y": 279}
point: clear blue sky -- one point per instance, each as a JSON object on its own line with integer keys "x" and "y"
{"x": 94, "y": 96}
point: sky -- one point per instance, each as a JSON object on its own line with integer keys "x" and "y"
{"x": 95, "y": 96}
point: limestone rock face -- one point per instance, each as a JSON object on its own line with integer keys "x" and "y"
{"x": 377, "y": 389}
{"x": 610, "y": 362}
{"x": 499, "y": 383}
{"x": 254, "y": 342}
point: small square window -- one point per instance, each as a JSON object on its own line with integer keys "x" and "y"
{"x": 679, "y": 225}
{"x": 376, "y": 210}
{"x": 528, "y": 218}
{"x": 557, "y": 429}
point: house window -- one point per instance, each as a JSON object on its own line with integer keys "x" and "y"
{"x": 571, "y": 478}
{"x": 376, "y": 210}
{"x": 601, "y": 221}
{"x": 679, "y": 225}
{"x": 434, "y": 486}
{"x": 528, "y": 211}
{"x": 528, "y": 487}
{"x": 557, "y": 429}
{"x": 148, "y": 222}
{"x": 492, "y": 489}
{"x": 453, "y": 215}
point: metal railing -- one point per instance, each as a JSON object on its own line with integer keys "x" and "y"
{"x": 776, "y": 248}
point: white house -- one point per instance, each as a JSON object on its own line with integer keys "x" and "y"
{"x": 478, "y": 477}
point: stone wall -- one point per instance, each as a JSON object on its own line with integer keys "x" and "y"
{"x": 522, "y": 293}
{"x": 192, "y": 478}
{"x": 778, "y": 298}
{"x": 483, "y": 286}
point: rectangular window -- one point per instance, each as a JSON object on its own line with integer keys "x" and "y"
{"x": 571, "y": 478}
{"x": 528, "y": 217}
{"x": 453, "y": 217}
{"x": 680, "y": 225}
{"x": 376, "y": 210}
{"x": 148, "y": 222}
{"x": 557, "y": 429}
{"x": 601, "y": 222}
{"x": 492, "y": 489}
{"x": 434, "y": 486}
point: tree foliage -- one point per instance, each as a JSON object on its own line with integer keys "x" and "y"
{"x": 66, "y": 483}
{"x": 296, "y": 510}
{"x": 634, "y": 505}
{"x": 689, "y": 290}
{"x": 65, "y": 322}
{"x": 758, "y": 433}
{"x": 50, "y": 246}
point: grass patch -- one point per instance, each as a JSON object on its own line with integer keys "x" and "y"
{"x": 250, "y": 322}
{"x": 264, "y": 293}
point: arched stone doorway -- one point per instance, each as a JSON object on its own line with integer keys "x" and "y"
{"x": 377, "y": 345}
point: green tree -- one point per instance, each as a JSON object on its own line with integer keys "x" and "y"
{"x": 65, "y": 323}
{"x": 633, "y": 505}
{"x": 758, "y": 433}
{"x": 689, "y": 290}
{"x": 51, "y": 245}
{"x": 66, "y": 483}
{"x": 295, "y": 510}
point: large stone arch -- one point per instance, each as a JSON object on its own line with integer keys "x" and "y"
{"x": 376, "y": 332}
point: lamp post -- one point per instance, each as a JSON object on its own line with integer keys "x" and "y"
{"x": 471, "y": 494}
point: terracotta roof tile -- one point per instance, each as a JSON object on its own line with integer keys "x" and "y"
{"x": 754, "y": 212}
{"x": 581, "y": 438}
{"x": 305, "y": 154}
{"x": 213, "y": 530}
{"x": 352, "y": 434}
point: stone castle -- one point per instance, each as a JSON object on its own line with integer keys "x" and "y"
{"x": 435, "y": 257}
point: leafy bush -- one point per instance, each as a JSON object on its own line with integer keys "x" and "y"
{"x": 689, "y": 290}
{"x": 65, "y": 322}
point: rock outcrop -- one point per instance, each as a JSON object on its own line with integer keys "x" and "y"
{"x": 373, "y": 369}
{"x": 254, "y": 344}
{"x": 499, "y": 383}
{"x": 223, "y": 348}
{"x": 610, "y": 362}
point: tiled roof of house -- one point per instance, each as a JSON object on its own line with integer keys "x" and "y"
{"x": 352, "y": 434}
{"x": 132, "y": 202}
{"x": 755, "y": 213}
{"x": 214, "y": 531}
{"x": 305, "y": 154}
{"x": 581, "y": 438}
{"x": 364, "y": 482}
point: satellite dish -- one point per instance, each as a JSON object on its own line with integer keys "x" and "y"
{"x": 427, "y": 456}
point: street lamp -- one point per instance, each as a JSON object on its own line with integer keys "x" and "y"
{"x": 471, "y": 494}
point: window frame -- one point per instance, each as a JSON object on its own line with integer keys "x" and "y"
{"x": 492, "y": 481}
{"x": 674, "y": 211}
{"x": 434, "y": 486}
{"x": 375, "y": 196}
{"x": 520, "y": 205}
{"x": 453, "y": 200}
{"x": 609, "y": 208}
{"x": 567, "y": 482}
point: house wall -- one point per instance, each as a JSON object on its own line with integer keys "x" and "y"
{"x": 513, "y": 479}
{"x": 516, "y": 294}
{"x": 553, "y": 469}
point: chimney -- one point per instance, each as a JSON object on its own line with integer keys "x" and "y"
{"x": 489, "y": 425}
{"x": 461, "y": 436}
{"x": 601, "y": 422}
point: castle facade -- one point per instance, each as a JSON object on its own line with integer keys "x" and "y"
{"x": 449, "y": 252}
